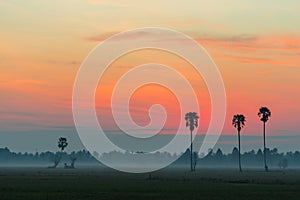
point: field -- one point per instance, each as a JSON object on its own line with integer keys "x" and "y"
{"x": 97, "y": 183}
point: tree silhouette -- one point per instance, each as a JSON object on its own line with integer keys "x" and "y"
{"x": 72, "y": 165}
{"x": 62, "y": 143}
{"x": 264, "y": 114}
{"x": 191, "y": 122}
{"x": 238, "y": 122}
{"x": 195, "y": 157}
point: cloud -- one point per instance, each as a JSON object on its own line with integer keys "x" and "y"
{"x": 185, "y": 23}
{"x": 203, "y": 38}
{"x": 250, "y": 49}
{"x": 104, "y": 36}
{"x": 64, "y": 63}
{"x": 99, "y": 37}
{"x": 227, "y": 38}
{"x": 263, "y": 61}
{"x": 23, "y": 84}
{"x": 271, "y": 50}
{"x": 249, "y": 43}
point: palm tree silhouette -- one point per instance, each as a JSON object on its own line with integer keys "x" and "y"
{"x": 62, "y": 143}
{"x": 264, "y": 114}
{"x": 238, "y": 122}
{"x": 191, "y": 122}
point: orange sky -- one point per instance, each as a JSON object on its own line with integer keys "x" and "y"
{"x": 257, "y": 50}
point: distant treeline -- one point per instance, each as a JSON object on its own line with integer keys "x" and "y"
{"x": 45, "y": 158}
{"x": 212, "y": 159}
{"x": 250, "y": 159}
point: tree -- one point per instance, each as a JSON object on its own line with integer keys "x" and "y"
{"x": 264, "y": 114}
{"x": 195, "y": 157}
{"x": 238, "y": 122}
{"x": 219, "y": 156}
{"x": 56, "y": 159}
{"x": 234, "y": 155}
{"x": 72, "y": 165}
{"x": 191, "y": 122}
{"x": 62, "y": 143}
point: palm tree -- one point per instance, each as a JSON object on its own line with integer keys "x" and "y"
{"x": 238, "y": 122}
{"x": 62, "y": 143}
{"x": 264, "y": 114}
{"x": 191, "y": 122}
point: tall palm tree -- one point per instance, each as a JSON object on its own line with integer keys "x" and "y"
{"x": 238, "y": 122}
{"x": 191, "y": 122}
{"x": 264, "y": 114}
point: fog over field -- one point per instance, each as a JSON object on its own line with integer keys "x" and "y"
{"x": 33, "y": 141}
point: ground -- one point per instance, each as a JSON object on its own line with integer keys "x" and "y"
{"x": 99, "y": 183}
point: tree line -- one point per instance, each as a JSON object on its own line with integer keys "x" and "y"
{"x": 48, "y": 158}
{"x": 251, "y": 159}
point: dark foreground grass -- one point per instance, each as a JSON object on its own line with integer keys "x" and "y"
{"x": 56, "y": 184}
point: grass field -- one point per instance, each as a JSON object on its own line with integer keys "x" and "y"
{"x": 94, "y": 183}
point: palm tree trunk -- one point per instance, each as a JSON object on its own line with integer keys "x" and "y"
{"x": 191, "y": 151}
{"x": 239, "y": 138}
{"x": 265, "y": 156}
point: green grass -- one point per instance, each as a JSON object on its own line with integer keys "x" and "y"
{"x": 55, "y": 184}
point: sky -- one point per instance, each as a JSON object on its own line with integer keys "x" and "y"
{"x": 255, "y": 44}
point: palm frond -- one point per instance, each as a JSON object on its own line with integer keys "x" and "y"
{"x": 238, "y": 121}
{"x": 191, "y": 120}
{"x": 264, "y": 114}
